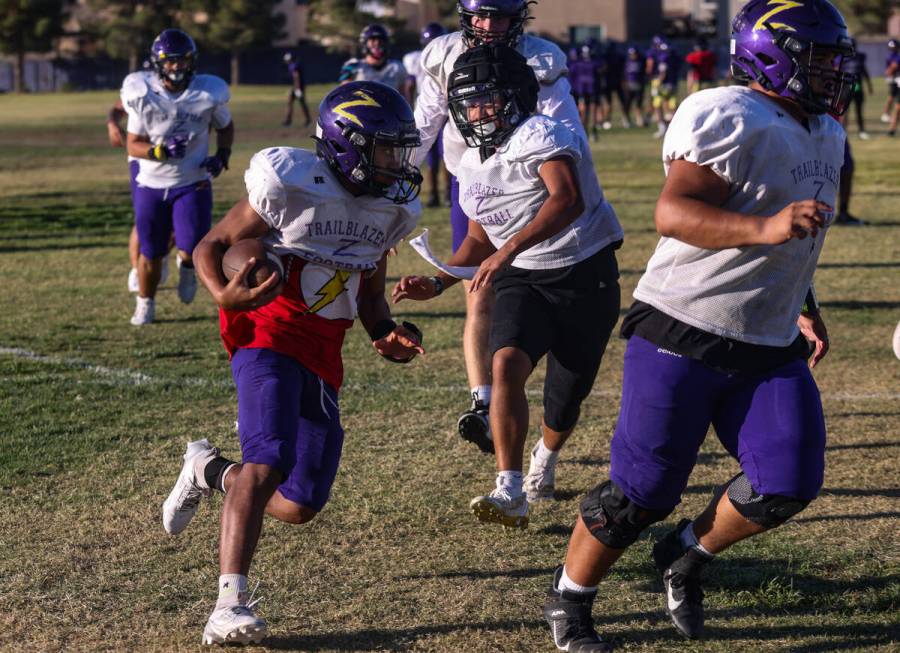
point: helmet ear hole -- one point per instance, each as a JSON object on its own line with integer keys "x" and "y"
{"x": 766, "y": 59}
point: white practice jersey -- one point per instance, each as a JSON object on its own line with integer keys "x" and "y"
{"x": 158, "y": 114}
{"x": 504, "y": 193}
{"x": 751, "y": 294}
{"x": 412, "y": 62}
{"x": 314, "y": 217}
{"x": 391, "y": 73}
{"x": 432, "y": 110}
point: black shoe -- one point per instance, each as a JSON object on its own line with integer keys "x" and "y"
{"x": 433, "y": 202}
{"x": 681, "y": 572}
{"x": 569, "y": 617}
{"x": 847, "y": 220}
{"x": 474, "y": 426}
{"x": 286, "y": 123}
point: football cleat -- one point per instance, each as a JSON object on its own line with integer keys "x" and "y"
{"x": 864, "y": 136}
{"x": 187, "y": 283}
{"x": 500, "y": 508}
{"x": 234, "y": 624}
{"x": 539, "y": 482}
{"x": 569, "y": 616}
{"x": 164, "y": 274}
{"x": 474, "y": 426}
{"x": 181, "y": 505}
{"x": 133, "y": 283}
{"x": 885, "y": 117}
{"x": 681, "y": 570}
{"x": 144, "y": 311}
{"x": 847, "y": 220}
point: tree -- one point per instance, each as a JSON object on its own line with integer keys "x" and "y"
{"x": 867, "y": 16}
{"x": 125, "y": 29}
{"x": 235, "y": 26}
{"x": 29, "y": 26}
{"x": 337, "y": 23}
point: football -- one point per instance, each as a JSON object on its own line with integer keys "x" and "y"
{"x": 238, "y": 254}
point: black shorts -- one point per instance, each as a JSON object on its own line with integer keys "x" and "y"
{"x": 567, "y": 314}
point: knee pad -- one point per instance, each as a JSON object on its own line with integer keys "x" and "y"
{"x": 613, "y": 518}
{"x": 767, "y": 510}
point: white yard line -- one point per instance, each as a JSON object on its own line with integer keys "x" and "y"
{"x": 129, "y": 377}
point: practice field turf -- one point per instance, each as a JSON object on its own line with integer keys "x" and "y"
{"x": 94, "y": 415}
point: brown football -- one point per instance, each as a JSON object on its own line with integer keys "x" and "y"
{"x": 267, "y": 261}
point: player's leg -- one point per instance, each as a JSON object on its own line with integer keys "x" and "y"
{"x": 305, "y": 108}
{"x": 433, "y": 159}
{"x": 192, "y": 219}
{"x": 134, "y": 250}
{"x": 473, "y": 424}
{"x": 153, "y": 220}
{"x": 658, "y": 102}
{"x": 289, "y": 116}
{"x": 582, "y": 329}
{"x": 667, "y": 406}
{"x": 859, "y": 99}
{"x": 889, "y": 103}
{"x": 895, "y": 117}
{"x": 845, "y": 190}
{"x": 773, "y": 424}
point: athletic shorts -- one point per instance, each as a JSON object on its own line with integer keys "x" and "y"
{"x": 288, "y": 418}
{"x": 134, "y": 168}
{"x": 459, "y": 221}
{"x": 894, "y": 90}
{"x": 566, "y": 314}
{"x": 771, "y": 423}
{"x": 435, "y": 155}
{"x": 663, "y": 94}
{"x": 848, "y": 165}
{"x": 186, "y": 210}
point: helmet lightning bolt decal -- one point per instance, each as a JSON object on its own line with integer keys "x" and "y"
{"x": 365, "y": 100}
{"x": 780, "y": 5}
{"x": 330, "y": 290}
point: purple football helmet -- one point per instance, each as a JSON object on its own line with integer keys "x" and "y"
{"x": 174, "y": 45}
{"x": 894, "y": 44}
{"x": 515, "y": 10}
{"x": 355, "y": 120}
{"x": 782, "y": 46}
{"x": 430, "y": 32}
{"x": 379, "y": 33}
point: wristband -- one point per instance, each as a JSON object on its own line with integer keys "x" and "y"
{"x": 810, "y": 304}
{"x": 157, "y": 153}
{"x": 438, "y": 285}
{"x": 381, "y": 329}
{"x": 224, "y": 155}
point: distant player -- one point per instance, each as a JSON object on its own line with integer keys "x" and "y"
{"x": 664, "y": 86}
{"x": 582, "y": 76}
{"x": 634, "y": 82}
{"x": 412, "y": 62}
{"x": 701, "y": 63}
{"x": 170, "y": 115}
{"x": 892, "y": 77}
{"x": 544, "y": 238}
{"x": 718, "y": 332}
{"x": 615, "y": 64}
{"x": 374, "y": 66}
{"x": 332, "y": 215}
{"x": 297, "y": 92}
{"x": 484, "y": 21}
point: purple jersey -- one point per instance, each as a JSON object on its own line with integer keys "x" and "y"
{"x": 669, "y": 64}
{"x": 581, "y": 76}
{"x": 634, "y": 70}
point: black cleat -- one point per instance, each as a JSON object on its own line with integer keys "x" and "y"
{"x": 847, "y": 220}
{"x": 681, "y": 571}
{"x": 433, "y": 202}
{"x": 474, "y": 426}
{"x": 569, "y": 617}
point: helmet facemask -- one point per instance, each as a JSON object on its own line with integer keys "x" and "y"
{"x": 485, "y": 115}
{"x": 169, "y": 70}
{"x": 476, "y": 36}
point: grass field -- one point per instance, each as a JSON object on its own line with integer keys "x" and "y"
{"x": 94, "y": 415}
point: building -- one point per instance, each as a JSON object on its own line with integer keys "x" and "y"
{"x": 577, "y": 20}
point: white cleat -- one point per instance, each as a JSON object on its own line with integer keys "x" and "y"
{"x": 500, "y": 508}
{"x": 181, "y": 505}
{"x": 164, "y": 275}
{"x": 236, "y": 624}
{"x": 864, "y": 136}
{"x": 885, "y": 117}
{"x": 540, "y": 480}
{"x": 187, "y": 284}
{"x": 144, "y": 311}
{"x": 133, "y": 285}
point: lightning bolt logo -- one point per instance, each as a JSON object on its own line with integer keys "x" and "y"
{"x": 330, "y": 290}
{"x": 365, "y": 100}
{"x": 780, "y": 5}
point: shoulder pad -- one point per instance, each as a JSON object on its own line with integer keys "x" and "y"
{"x": 410, "y": 59}
{"x": 544, "y": 57}
{"x": 134, "y": 86}
{"x": 439, "y": 51}
{"x": 215, "y": 86}
{"x": 540, "y": 138}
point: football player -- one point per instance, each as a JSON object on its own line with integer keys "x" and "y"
{"x": 544, "y": 238}
{"x": 297, "y": 92}
{"x": 634, "y": 82}
{"x": 375, "y": 66}
{"x": 412, "y": 62}
{"x": 718, "y": 334}
{"x": 582, "y": 76}
{"x": 892, "y": 77}
{"x": 169, "y": 118}
{"x": 483, "y": 21}
{"x": 664, "y": 86}
{"x": 331, "y": 215}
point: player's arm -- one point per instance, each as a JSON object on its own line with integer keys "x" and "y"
{"x": 114, "y": 128}
{"x": 399, "y": 343}
{"x": 298, "y": 82}
{"x": 431, "y": 114}
{"x": 173, "y": 147}
{"x": 239, "y": 223}
{"x": 690, "y": 209}
{"x": 219, "y": 161}
{"x": 561, "y": 208}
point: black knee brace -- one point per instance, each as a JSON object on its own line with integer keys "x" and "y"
{"x": 613, "y": 518}
{"x": 767, "y": 510}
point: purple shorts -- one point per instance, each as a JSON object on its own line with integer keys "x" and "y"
{"x": 436, "y": 154}
{"x": 158, "y": 211}
{"x": 288, "y": 418}
{"x": 459, "y": 221}
{"x": 133, "y": 169}
{"x": 771, "y": 423}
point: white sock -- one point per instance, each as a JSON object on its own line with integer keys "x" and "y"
{"x": 232, "y": 590}
{"x": 482, "y": 393}
{"x": 510, "y": 482}
{"x": 145, "y": 301}
{"x": 224, "y": 475}
{"x": 567, "y": 584}
{"x": 543, "y": 456}
{"x": 689, "y": 540}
